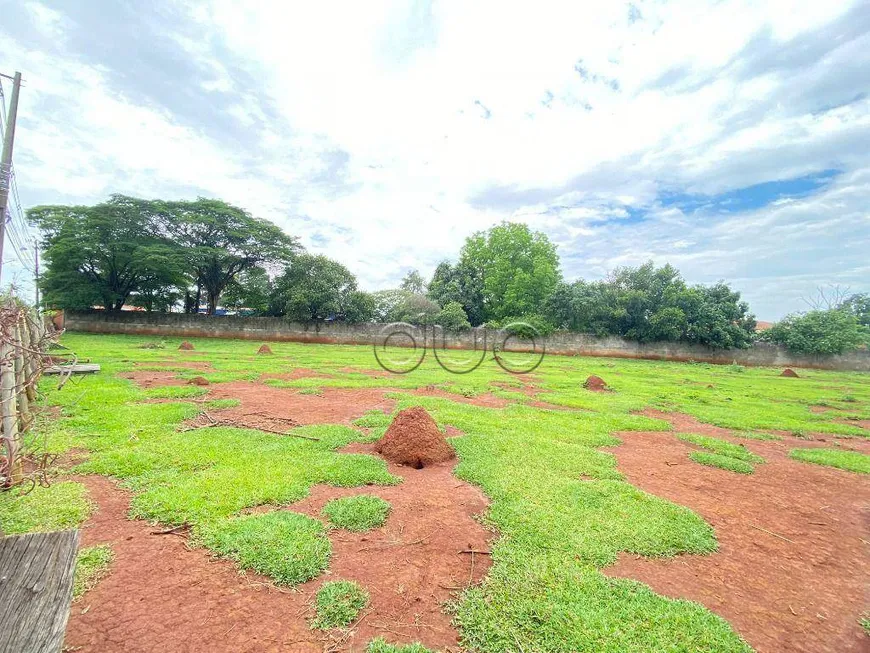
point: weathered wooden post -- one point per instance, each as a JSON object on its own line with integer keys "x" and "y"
{"x": 20, "y": 376}
{"x": 8, "y": 416}
{"x": 29, "y": 356}
{"x": 36, "y": 583}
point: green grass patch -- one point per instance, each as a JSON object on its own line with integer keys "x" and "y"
{"x": 338, "y": 603}
{"x": 59, "y": 506}
{"x": 221, "y": 404}
{"x": 852, "y": 461}
{"x": 545, "y": 591}
{"x": 289, "y": 547}
{"x": 380, "y": 645}
{"x": 722, "y": 447}
{"x": 92, "y": 565}
{"x": 357, "y": 513}
{"x": 722, "y": 462}
{"x": 175, "y": 392}
{"x": 311, "y": 391}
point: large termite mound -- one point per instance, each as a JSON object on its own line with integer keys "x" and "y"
{"x": 413, "y": 439}
{"x": 264, "y": 349}
{"x": 186, "y": 346}
{"x": 790, "y": 373}
{"x": 596, "y": 384}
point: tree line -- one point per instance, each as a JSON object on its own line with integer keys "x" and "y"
{"x": 175, "y": 255}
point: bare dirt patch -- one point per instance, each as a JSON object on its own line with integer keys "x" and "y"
{"x": 298, "y": 373}
{"x": 161, "y": 595}
{"x": 792, "y": 568}
{"x": 332, "y": 406}
{"x": 153, "y": 378}
{"x": 413, "y": 439}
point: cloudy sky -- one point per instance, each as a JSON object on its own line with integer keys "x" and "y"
{"x": 730, "y": 139}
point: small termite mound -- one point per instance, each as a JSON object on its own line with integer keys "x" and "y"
{"x": 595, "y": 384}
{"x": 186, "y": 346}
{"x": 790, "y": 373}
{"x": 264, "y": 349}
{"x": 413, "y": 439}
{"x": 198, "y": 380}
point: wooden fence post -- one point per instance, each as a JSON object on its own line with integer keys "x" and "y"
{"x": 29, "y": 356}
{"x": 20, "y": 378}
{"x": 8, "y": 418}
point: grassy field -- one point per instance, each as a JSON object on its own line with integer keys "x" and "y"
{"x": 559, "y": 504}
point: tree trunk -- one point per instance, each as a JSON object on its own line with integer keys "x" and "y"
{"x": 198, "y": 298}
{"x": 212, "y": 303}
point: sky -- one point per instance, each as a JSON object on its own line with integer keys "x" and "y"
{"x": 727, "y": 138}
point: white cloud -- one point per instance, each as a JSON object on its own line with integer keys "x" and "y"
{"x": 384, "y": 133}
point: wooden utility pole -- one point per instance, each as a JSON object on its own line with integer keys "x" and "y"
{"x": 6, "y": 160}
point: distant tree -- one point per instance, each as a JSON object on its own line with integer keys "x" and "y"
{"x": 415, "y": 309}
{"x": 414, "y": 282}
{"x": 462, "y": 284}
{"x": 314, "y": 288}
{"x": 358, "y": 306}
{"x": 518, "y": 269}
{"x": 387, "y": 303}
{"x": 818, "y": 332}
{"x": 452, "y": 317}
{"x": 653, "y": 304}
{"x": 249, "y": 292}
{"x": 858, "y": 305}
{"x": 220, "y": 241}
{"x": 104, "y": 254}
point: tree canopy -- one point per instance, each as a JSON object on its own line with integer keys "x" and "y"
{"x": 314, "y": 288}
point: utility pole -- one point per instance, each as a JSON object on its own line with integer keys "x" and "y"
{"x": 6, "y": 160}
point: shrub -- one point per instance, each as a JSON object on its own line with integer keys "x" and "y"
{"x": 453, "y": 318}
{"x": 818, "y": 332}
{"x": 527, "y": 326}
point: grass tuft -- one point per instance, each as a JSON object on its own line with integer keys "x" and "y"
{"x": 357, "y": 513}
{"x": 722, "y": 447}
{"x": 722, "y": 462}
{"x": 851, "y": 461}
{"x": 92, "y": 565}
{"x": 54, "y": 508}
{"x": 338, "y": 603}
{"x": 289, "y": 547}
{"x": 380, "y": 645}
{"x": 175, "y": 392}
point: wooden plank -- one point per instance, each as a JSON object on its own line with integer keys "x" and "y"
{"x": 80, "y": 368}
{"x": 36, "y": 583}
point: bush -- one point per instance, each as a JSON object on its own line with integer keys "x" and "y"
{"x": 453, "y": 318}
{"x": 528, "y": 326}
{"x": 818, "y": 332}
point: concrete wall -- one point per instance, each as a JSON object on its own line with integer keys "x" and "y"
{"x": 562, "y": 342}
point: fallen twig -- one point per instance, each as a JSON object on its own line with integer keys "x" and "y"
{"x": 473, "y": 551}
{"x": 175, "y": 530}
{"x": 764, "y": 530}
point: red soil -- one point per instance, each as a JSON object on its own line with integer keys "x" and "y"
{"x": 792, "y": 568}
{"x": 264, "y": 349}
{"x": 332, "y": 406}
{"x": 790, "y": 373}
{"x": 198, "y": 380}
{"x": 413, "y": 439}
{"x": 160, "y": 595}
{"x": 186, "y": 346}
{"x": 152, "y": 378}
{"x": 595, "y": 384}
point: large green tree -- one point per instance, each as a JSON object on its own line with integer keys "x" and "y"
{"x": 249, "y": 292}
{"x": 648, "y": 304}
{"x": 315, "y": 288}
{"x": 105, "y": 254}
{"x": 462, "y": 284}
{"x": 220, "y": 241}
{"x": 517, "y": 268}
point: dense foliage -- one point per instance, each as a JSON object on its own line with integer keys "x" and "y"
{"x": 649, "y": 304}
{"x": 166, "y": 255}
{"x": 819, "y": 332}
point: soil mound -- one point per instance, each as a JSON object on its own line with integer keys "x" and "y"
{"x": 596, "y": 384}
{"x": 186, "y": 346}
{"x": 198, "y": 380}
{"x": 413, "y": 439}
{"x": 789, "y": 373}
{"x": 264, "y": 349}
